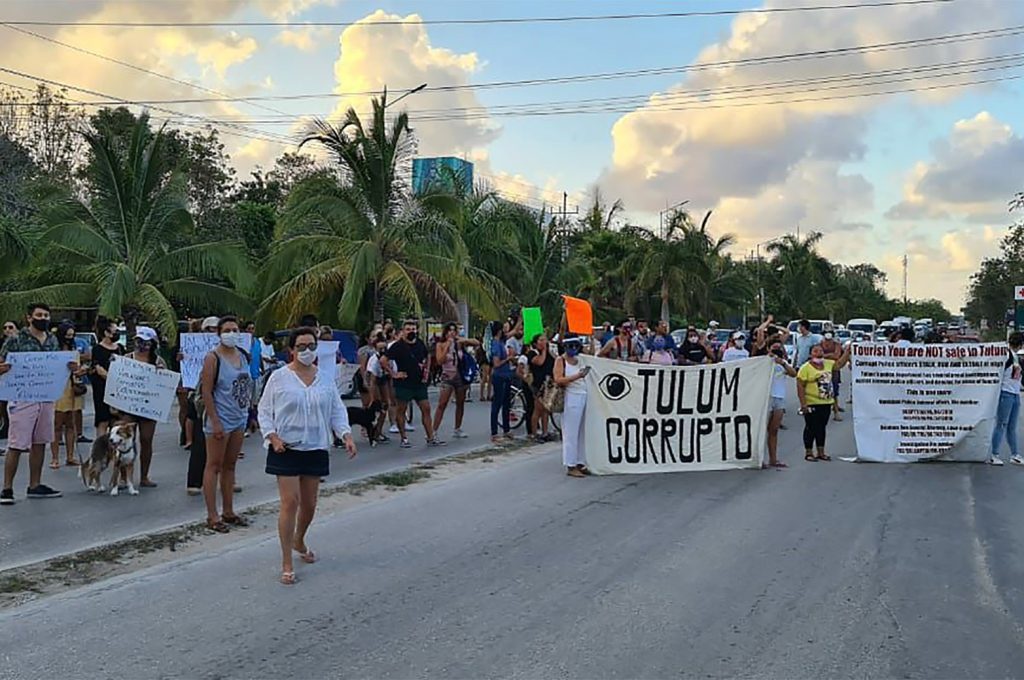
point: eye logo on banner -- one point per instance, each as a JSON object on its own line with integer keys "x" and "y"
{"x": 615, "y": 386}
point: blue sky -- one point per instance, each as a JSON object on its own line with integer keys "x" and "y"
{"x": 879, "y": 176}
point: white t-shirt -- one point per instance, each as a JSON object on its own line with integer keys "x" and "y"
{"x": 1012, "y": 375}
{"x": 735, "y": 354}
{"x": 373, "y": 366}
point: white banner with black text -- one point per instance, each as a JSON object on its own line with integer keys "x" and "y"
{"x": 644, "y": 418}
{"x": 925, "y": 402}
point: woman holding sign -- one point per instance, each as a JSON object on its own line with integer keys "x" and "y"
{"x": 1009, "y": 404}
{"x": 299, "y": 412}
{"x": 146, "y": 345}
{"x": 102, "y": 352}
{"x": 226, "y": 387}
{"x": 815, "y": 389}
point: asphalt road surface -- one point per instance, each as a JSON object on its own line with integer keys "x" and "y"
{"x": 517, "y": 571}
{"x": 35, "y": 530}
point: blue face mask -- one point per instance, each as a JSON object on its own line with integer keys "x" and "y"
{"x": 572, "y": 350}
{"x": 659, "y": 344}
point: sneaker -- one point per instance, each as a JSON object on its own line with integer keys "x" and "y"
{"x": 193, "y": 491}
{"x": 393, "y": 429}
{"x": 42, "y": 491}
{"x": 409, "y": 427}
{"x": 383, "y": 439}
{"x": 995, "y": 461}
{"x": 1017, "y": 460}
{"x": 405, "y": 444}
{"x": 82, "y": 439}
{"x": 7, "y": 497}
{"x": 459, "y": 434}
{"x": 436, "y": 442}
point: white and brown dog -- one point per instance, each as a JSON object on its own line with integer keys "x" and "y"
{"x": 114, "y": 449}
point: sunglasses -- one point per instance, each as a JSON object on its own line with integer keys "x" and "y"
{"x": 303, "y": 346}
{"x": 9, "y": 327}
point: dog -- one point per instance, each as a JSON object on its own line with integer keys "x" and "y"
{"x": 115, "y": 449}
{"x": 369, "y": 419}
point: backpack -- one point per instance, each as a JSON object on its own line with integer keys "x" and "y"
{"x": 468, "y": 368}
{"x": 196, "y": 398}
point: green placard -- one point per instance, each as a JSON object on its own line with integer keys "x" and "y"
{"x": 533, "y": 325}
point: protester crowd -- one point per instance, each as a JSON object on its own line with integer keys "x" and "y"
{"x": 281, "y": 393}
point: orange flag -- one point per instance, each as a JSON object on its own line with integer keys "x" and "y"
{"x": 579, "y": 316}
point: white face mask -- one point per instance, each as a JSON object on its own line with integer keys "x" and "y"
{"x": 229, "y": 339}
{"x": 307, "y": 357}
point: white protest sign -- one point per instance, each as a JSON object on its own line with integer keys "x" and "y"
{"x": 194, "y": 348}
{"x": 643, "y": 418}
{"x": 141, "y": 389}
{"x": 346, "y": 374}
{"x": 327, "y": 359}
{"x": 1018, "y": 293}
{"x": 925, "y": 402}
{"x": 36, "y": 376}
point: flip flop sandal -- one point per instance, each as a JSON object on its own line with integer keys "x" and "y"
{"x": 824, "y": 457}
{"x": 779, "y": 465}
{"x": 810, "y": 457}
{"x": 235, "y": 520}
{"x": 309, "y": 557}
{"x": 54, "y": 466}
{"x": 288, "y": 578}
{"x": 71, "y": 463}
{"x": 219, "y": 527}
{"x": 146, "y": 484}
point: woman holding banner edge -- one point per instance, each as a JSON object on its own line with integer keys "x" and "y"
{"x": 1008, "y": 410}
{"x": 569, "y": 375}
{"x": 814, "y": 388}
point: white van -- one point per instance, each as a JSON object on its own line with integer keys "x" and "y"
{"x": 868, "y": 326}
{"x": 818, "y": 326}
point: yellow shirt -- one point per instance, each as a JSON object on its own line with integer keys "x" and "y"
{"x": 817, "y": 383}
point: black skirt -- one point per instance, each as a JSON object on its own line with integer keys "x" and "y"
{"x": 292, "y": 463}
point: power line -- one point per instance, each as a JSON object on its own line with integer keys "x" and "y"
{"x": 858, "y": 79}
{"x": 492, "y": 21}
{"x": 931, "y": 41}
{"x": 134, "y": 67}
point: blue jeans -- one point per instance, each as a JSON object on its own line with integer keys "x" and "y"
{"x": 1006, "y": 421}
{"x": 500, "y": 402}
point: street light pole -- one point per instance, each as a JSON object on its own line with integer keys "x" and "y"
{"x": 661, "y": 216}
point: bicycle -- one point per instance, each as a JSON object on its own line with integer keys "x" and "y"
{"x": 518, "y": 409}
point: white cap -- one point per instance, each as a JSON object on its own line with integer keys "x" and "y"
{"x": 738, "y": 335}
{"x": 145, "y": 333}
{"x": 210, "y": 322}
{"x": 712, "y": 324}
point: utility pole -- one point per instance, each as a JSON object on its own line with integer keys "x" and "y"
{"x": 562, "y": 230}
{"x": 906, "y": 263}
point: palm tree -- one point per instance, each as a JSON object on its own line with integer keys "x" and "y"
{"x": 120, "y": 248}
{"x": 803, "y": 276}
{"x": 680, "y": 266}
{"x": 368, "y": 239}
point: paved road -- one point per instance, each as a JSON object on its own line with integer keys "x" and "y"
{"x": 822, "y": 570}
{"x": 37, "y": 530}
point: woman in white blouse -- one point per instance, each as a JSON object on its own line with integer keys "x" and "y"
{"x": 299, "y": 415}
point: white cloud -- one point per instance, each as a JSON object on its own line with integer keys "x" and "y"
{"x": 374, "y": 57}
{"x": 765, "y": 162}
{"x": 305, "y": 38}
{"x": 971, "y": 175}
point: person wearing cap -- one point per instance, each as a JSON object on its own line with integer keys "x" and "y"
{"x": 209, "y": 325}
{"x": 145, "y": 350}
{"x": 736, "y": 348}
{"x": 570, "y": 376}
{"x": 833, "y": 350}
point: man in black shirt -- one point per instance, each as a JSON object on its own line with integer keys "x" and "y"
{"x": 408, "y": 366}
